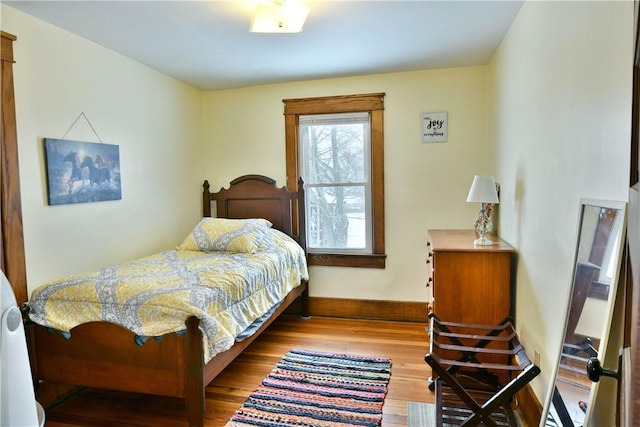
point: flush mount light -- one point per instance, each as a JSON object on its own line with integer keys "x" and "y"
{"x": 279, "y": 16}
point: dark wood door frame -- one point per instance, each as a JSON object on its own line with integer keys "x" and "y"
{"x": 12, "y": 257}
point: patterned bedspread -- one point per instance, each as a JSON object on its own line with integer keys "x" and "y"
{"x": 155, "y": 295}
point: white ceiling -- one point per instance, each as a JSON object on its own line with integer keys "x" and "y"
{"x": 207, "y": 43}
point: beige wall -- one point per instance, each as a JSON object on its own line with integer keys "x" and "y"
{"x": 425, "y": 184}
{"x": 155, "y": 120}
{"x": 560, "y": 97}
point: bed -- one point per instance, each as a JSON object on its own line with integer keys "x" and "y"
{"x": 181, "y": 362}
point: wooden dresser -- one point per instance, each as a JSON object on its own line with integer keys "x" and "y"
{"x": 470, "y": 284}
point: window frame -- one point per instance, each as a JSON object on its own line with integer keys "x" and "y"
{"x": 364, "y": 183}
{"x": 373, "y": 103}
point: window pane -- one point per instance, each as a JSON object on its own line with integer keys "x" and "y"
{"x": 334, "y": 153}
{"x": 336, "y": 217}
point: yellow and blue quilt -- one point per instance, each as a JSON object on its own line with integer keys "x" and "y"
{"x": 153, "y": 296}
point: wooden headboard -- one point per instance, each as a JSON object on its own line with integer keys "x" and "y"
{"x": 256, "y": 196}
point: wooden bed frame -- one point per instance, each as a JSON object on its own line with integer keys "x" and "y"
{"x": 103, "y": 355}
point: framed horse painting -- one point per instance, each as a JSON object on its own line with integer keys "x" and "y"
{"x": 81, "y": 172}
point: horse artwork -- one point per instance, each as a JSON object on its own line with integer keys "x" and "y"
{"x": 96, "y": 175}
{"x": 76, "y": 172}
{"x": 81, "y": 172}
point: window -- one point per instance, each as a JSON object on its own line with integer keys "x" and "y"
{"x": 336, "y": 145}
{"x": 335, "y": 164}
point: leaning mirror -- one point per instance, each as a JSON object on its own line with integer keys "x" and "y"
{"x": 601, "y": 228}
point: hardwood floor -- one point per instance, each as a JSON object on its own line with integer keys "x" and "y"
{"x": 405, "y": 343}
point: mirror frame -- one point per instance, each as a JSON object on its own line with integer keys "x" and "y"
{"x": 609, "y": 204}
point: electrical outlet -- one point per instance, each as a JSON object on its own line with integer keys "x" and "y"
{"x": 536, "y": 358}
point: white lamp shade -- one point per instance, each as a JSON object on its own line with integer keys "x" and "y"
{"x": 483, "y": 190}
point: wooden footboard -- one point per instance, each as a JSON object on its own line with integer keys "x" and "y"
{"x": 104, "y": 355}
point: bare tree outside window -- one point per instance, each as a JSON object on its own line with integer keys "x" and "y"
{"x": 335, "y": 155}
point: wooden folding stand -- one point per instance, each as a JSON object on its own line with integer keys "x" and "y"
{"x": 479, "y": 369}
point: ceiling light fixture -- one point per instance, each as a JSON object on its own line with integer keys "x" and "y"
{"x": 279, "y": 16}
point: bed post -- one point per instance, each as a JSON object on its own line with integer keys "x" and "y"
{"x": 302, "y": 240}
{"x": 206, "y": 199}
{"x": 302, "y": 226}
{"x": 194, "y": 374}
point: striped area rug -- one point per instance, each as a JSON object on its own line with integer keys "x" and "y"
{"x": 313, "y": 389}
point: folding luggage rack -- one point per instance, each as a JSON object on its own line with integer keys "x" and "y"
{"x": 479, "y": 369}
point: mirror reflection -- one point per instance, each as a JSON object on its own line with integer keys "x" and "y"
{"x": 595, "y": 276}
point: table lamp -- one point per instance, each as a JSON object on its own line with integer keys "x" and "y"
{"x": 483, "y": 190}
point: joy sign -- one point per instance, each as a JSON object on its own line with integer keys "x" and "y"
{"x": 434, "y": 127}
